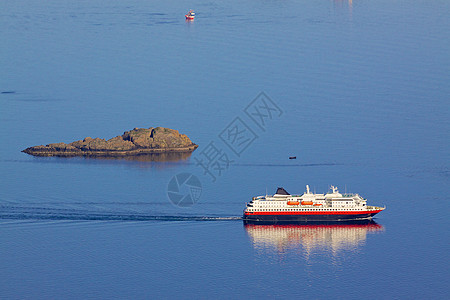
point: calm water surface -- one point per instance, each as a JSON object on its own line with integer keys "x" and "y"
{"x": 364, "y": 91}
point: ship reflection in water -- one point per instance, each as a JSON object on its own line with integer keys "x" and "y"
{"x": 311, "y": 238}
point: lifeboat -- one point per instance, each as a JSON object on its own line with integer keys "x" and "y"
{"x": 293, "y": 203}
{"x": 307, "y": 203}
{"x": 190, "y": 15}
{"x": 317, "y": 204}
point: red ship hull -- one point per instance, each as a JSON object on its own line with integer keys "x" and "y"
{"x": 313, "y": 216}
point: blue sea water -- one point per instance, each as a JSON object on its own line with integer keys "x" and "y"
{"x": 363, "y": 97}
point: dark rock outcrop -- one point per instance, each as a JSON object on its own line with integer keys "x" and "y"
{"x": 134, "y": 142}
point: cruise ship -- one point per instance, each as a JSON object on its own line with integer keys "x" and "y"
{"x": 309, "y": 207}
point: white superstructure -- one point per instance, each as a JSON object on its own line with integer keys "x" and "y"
{"x": 333, "y": 201}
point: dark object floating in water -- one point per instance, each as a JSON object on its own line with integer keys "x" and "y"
{"x": 9, "y": 92}
{"x": 134, "y": 142}
{"x": 292, "y": 157}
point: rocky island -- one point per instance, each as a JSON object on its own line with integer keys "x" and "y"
{"x": 134, "y": 142}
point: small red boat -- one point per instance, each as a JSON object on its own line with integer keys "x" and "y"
{"x": 190, "y": 15}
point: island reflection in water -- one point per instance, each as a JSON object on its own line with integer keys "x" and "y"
{"x": 311, "y": 238}
{"x": 158, "y": 160}
{"x": 152, "y": 157}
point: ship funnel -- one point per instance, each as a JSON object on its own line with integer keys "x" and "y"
{"x": 307, "y": 189}
{"x": 281, "y": 191}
